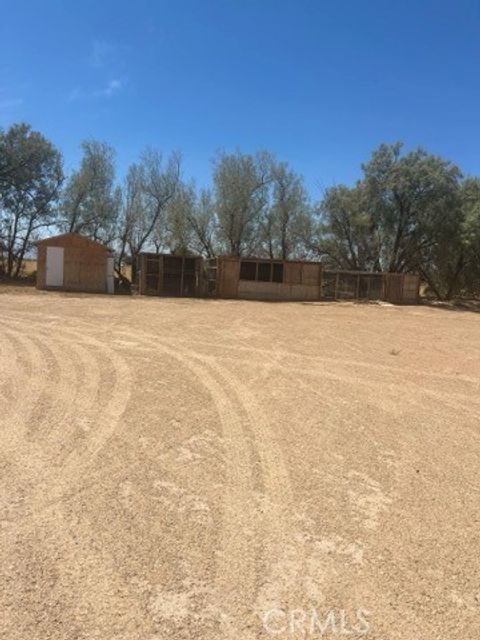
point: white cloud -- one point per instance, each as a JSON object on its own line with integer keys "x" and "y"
{"x": 111, "y": 88}
{"x": 104, "y": 57}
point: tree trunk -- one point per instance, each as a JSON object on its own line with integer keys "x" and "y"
{"x": 454, "y": 279}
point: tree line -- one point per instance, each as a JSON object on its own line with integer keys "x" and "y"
{"x": 409, "y": 211}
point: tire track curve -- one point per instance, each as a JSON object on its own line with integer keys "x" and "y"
{"x": 236, "y": 580}
{"x": 105, "y": 417}
{"x": 236, "y": 575}
{"x": 283, "y": 556}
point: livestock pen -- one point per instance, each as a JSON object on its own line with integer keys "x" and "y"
{"x": 269, "y": 279}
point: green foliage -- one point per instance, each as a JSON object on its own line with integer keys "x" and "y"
{"x": 409, "y": 211}
{"x": 30, "y": 180}
{"x": 349, "y": 232}
{"x": 91, "y": 201}
{"x": 282, "y": 227}
{"x": 149, "y": 187}
{"x": 241, "y": 193}
{"x": 471, "y": 234}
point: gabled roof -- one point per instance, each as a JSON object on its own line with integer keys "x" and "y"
{"x": 72, "y": 236}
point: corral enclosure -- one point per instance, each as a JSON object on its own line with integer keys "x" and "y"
{"x": 72, "y": 262}
{"x": 267, "y": 279}
{"x": 255, "y": 278}
{"x": 169, "y": 275}
{"x": 398, "y": 288}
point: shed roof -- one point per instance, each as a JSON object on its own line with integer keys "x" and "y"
{"x": 72, "y": 236}
{"x": 257, "y": 259}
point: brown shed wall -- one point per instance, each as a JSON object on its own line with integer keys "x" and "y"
{"x": 228, "y": 275}
{"x": 84, "y": 264}
{"x": 411, "y": 288}
{"x": 301, "y": 281}
{"x": 307, "y": 281}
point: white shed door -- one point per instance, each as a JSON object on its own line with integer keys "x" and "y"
{"x": 54, "y": 274}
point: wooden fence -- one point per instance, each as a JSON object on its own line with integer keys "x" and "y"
{"x": 398, "y": 288}
{"x": 264, "y": 279}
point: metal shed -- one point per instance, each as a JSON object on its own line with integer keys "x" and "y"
{"x": 72, "y": 262}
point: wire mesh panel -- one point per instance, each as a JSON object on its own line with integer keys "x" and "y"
{"x": 211, "y": 275}
{"x": 264, "y": 271}
{"x": 370, "y": 286}
{"x": 329, "y": 279}
{"x": 152, "y": 283}
{"x": 347, "y": 286}
{"x": 152, "y": 274}
{"x": 153, "y": 266}
{"x": 170, "y": 275}
{"x": 189, "y": 283}
{"x": 357, "y": 285}
{"x": 376, "y": 291}
{"x": 248, "y": 270}
{"x": 277, "y": 272}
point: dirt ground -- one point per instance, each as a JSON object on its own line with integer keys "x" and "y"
{"x": 227, "y": 469}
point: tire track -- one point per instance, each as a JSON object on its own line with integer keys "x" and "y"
{"x": 82, "y": 413}
{"x": 236, "y": 580}
{"x": 331, "y": 360}
{"x": 96, "y": 571}
{"x": 25, "y": 455}
{"x": 32, "y": 372}
{"x": 283, "y": 557}
{"x": 54, "y": 403}
{"x": 107, "y": 417}
{"x": 59, "y": 395}
{"x": 9, "y": 364}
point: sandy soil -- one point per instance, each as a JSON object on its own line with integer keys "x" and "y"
{"x": 226, "y": 469}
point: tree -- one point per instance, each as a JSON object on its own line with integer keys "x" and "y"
{"x": 204, "y": 225}
{"x": 149, "y": 187}
{"x": 405, "y": 214}
{"x": 350, "y": 235}
{"x": 241, "y": 194}
{"x": 91, "y": 201}
{"x": 31, "y": 178}
{"x": 283, "y": 224}
{"x": 470, "y": 195}
{"x": 188, "y": 224}
{"x": 412, "y": 199}
{"x": 173, "y": 230}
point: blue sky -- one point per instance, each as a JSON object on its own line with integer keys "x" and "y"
{"x": 318, "y": 83}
